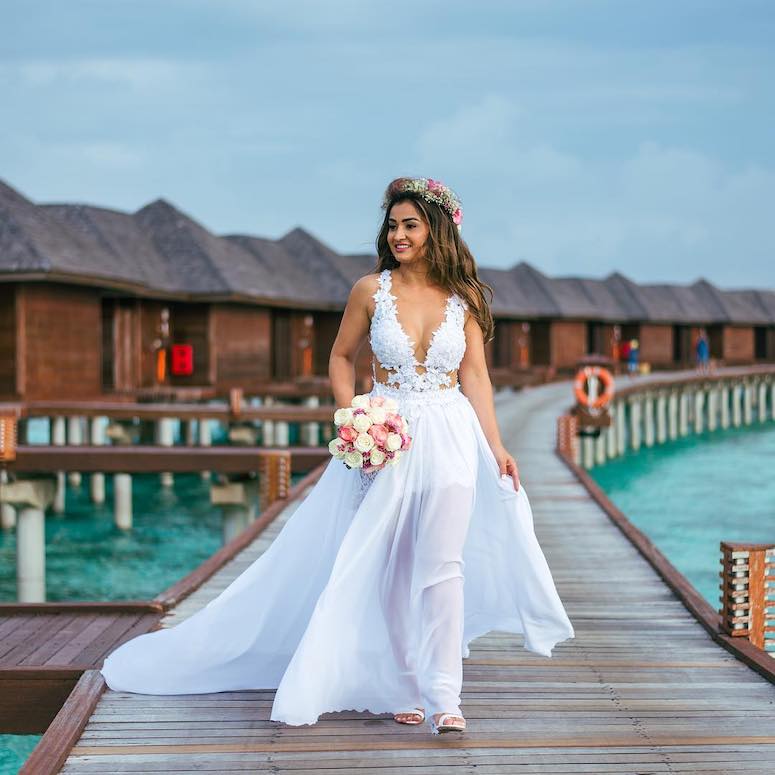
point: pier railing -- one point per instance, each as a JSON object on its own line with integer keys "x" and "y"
{"x": 657, "y": 411}
{"x": 747, "y": 578}
{"x": 663, "y": 410}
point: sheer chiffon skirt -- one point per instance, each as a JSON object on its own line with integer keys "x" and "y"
{"x": 371, "y": 593}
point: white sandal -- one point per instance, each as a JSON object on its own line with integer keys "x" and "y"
{"x": 418, "y": 713}
{"x": 444, "y": 726}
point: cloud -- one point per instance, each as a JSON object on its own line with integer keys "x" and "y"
{"x": 661, "y": 212}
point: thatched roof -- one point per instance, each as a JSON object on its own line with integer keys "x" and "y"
{"x": 161, "y": 251}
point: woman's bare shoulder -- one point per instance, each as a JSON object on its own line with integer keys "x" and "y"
{"x": 365, "y": 286}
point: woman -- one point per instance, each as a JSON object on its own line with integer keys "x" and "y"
{"x": 360, "y": 602}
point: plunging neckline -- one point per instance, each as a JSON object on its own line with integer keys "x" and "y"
{"x": 410, "y": 343}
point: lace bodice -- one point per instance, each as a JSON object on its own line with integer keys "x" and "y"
{"x": 395, "y": 351}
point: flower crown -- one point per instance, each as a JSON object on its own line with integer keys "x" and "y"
{"x": 429, "y": 189}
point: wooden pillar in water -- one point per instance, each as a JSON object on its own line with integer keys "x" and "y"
{"x": 74, "y": 439}
{"x": 59, "y": 439}
{"x": 205, "y": 439}
{"x": 648, "y": 420}
{"x": 311, "y": 431}
{"x": 610, "y": 431}
{"x": 661, "y": 418}
{"x": 31, "y": 499}
{"x": 267, "y": 426}
{"x": 737, "y": 400}
{"x": 97, "y": 478}
{"x": 165, "y": 437}
{"x": 747, "y": 402}
{"x": 621, "y": 427}
{"x": 699, "y": 414}
{"x": 712, "y": 407}
{"x": 122, "y": 501}
{"x": 724, "y": 413}
{"x": 7, "y": 510}
{"x": 761, "y": 401}
{"x": 635, "y": 422}
{"x": 672, "y": 414}
{"x": 683, "y": 412}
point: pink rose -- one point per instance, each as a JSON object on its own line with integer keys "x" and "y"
{"x": 348, "y": 433}
{"x": 405, "y": 441}
{"x": 379, "y": 433}
{"x": 433, "y": 185}
{"x": 394, "y": 422}
{"x": 457, "y": 216}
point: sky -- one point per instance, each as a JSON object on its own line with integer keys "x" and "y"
{"x": 582, "y": 136}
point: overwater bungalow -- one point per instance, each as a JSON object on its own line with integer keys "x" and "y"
{"x": 90, "y": 297}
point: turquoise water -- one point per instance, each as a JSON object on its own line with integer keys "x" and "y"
{"x": 690, "y": 494}
{"x": 14, "y": 750}
{"x": 89, "y": 558}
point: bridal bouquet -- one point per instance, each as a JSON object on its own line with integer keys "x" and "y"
{"x": 371, "y": 433}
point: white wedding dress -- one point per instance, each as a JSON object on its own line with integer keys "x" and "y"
{"x": 372, "y": 591}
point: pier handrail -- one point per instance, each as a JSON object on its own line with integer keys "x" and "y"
{"x": 746, "y": 592}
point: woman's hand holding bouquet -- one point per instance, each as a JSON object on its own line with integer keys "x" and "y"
{"x": 371, "y": 434}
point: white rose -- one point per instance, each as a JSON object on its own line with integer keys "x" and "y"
{"x": 361, "y": 422}
{"x": 393, "y": 441}
{"x": 360, "y": 402}
{"x": 354, "y": 459}
{"x": 395, "y": 458}
{"x": 336, "y": 448}
{"x": 364, "y": 442}
{"x": 377, "y": 457}
{"x": 390, "y": 405}
{"x": 377, "y": 414}
{"x": 343, "y": 416}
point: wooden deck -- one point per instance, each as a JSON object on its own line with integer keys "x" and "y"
{"x": 641, "y": 689}
{"x": 45, "y": 648}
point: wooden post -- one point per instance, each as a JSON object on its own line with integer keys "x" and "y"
{"x": 74, "y": 439}
{"x": 267, "y": 426}
{"x": 122, "y": 500}
{"x": 699, "y": 403}
{"x": 97, "y": 479}
{"x": 648, "y": 420}
{"x": 274, "y": 478}
{"x": 621, "y": 427}
{"x": 567, "y": 436}
{"x": 712, "y": 408}
{"x": 311, "y": 430}
{"x": 746, "y": 571}
{"x": 165, "y": 437}
{"x": 724, "y": 418}
{"x": 7, "y": 510}
{"x": 747, "y": 402}
{"x": 205, "y": 439}
{"x": 59, "y": 439}
{"x": 737, "y": 411}
{"x": 683, "y": 412}
{"x": 761, "y": 401}
{"x": 661, "y": 418}
{"x": 635, "y": 411}
{"x": 31, "y": 497}
{"x": 672, "y": 414}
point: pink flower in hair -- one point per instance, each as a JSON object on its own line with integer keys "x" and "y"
{"x": 457, "y": 216}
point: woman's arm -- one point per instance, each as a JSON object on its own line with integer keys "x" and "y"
{"x": 475, "y": 383}
{"x": 349, "y": 339}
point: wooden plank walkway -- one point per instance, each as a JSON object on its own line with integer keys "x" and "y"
{"x": 641, "y": 689}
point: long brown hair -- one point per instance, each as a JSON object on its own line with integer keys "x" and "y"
{"x": 450, "y": 263}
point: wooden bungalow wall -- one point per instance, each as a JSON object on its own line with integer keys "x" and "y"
{"x": 7, "y": 341}
{"x": 58, "y": 341}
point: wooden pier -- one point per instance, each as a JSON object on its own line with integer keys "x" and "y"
{"x": 642, "y": 688}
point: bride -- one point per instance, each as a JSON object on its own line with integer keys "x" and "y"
{"x": 369, "y": 597}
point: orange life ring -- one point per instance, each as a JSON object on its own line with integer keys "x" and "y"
{"x": 604, "y": 376}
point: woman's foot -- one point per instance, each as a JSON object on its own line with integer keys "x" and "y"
{"x": 447, "y": 722}
{"x": 411, "y": 717}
